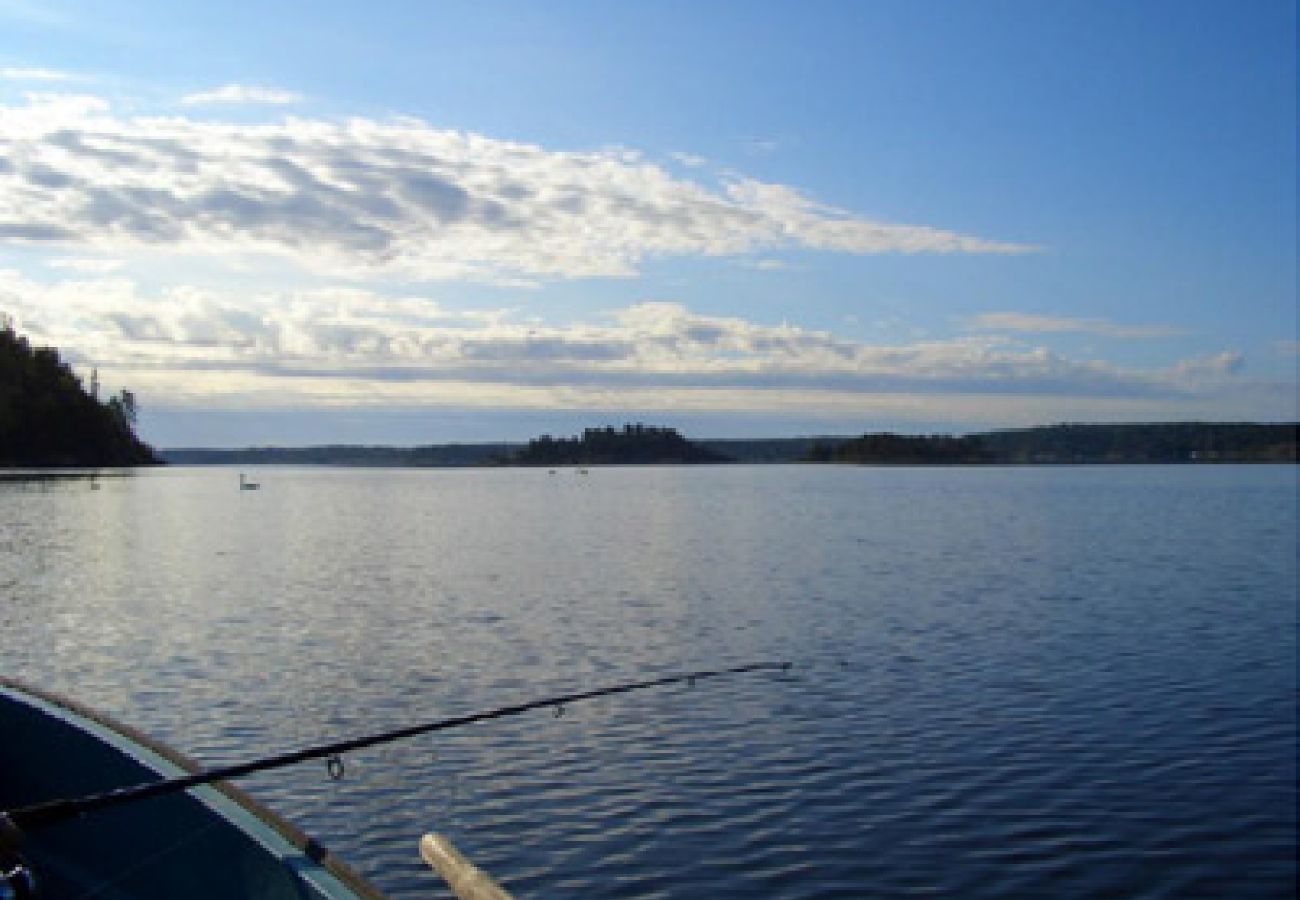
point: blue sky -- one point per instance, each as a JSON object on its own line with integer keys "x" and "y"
{"x": 413, "y": 222}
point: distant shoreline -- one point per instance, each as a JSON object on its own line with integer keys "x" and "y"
{"x": 1191, "y": 443}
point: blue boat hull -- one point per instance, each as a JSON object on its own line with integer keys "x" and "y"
{"x": 209, "y": 842}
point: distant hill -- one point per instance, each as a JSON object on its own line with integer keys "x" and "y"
{"x": 768, "y": 450}
{"x": 1155, "y": 442}
{"x": 346, "y": 455}
{"x": 1145, "y": 442}
{"x": 902, "y": 449}
{"x": 47, "y": 418}
{"x": 762, "y": 450}
{"x": 605, "y": 446}
{"x": 1130, "y": 442}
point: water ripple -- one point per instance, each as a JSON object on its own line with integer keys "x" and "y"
{"x": 1066, "y": 682}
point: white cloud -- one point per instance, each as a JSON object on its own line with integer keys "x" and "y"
{"x": 189, "y": 346}
{"x": 398, "y": 197}
{"x": 241, "y": 95}
{"x": 91, "y": 266}
{"x": 17, "y": 73}
{"x": 1035, "y": 324}
{"x": 690, "y": 160}
{"x": 1218, "y": 365}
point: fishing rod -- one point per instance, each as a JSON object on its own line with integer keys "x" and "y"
{"x": 54, "y": 811}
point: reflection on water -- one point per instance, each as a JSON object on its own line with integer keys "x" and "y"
{"x": 48, "y": 476}
{"x": 1066, "y": 681}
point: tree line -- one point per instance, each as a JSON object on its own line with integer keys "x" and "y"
{"x": 1153, "y": 442}
{"x": 49, "y": 418}
{"x": 635, "y": 443}
{"x": 1075, "y": 442}
{"x": 887, "y": 447}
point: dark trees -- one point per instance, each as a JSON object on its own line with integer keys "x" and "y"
{"x": 635, "y": 443}
{"x": 902, "y": 449}
{"x": 48, "y": 419}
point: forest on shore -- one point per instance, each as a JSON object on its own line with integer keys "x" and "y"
{"x": 49, "y": 418}
{"x": 1075, "y": 442}
{"x": 1066, "y": 443}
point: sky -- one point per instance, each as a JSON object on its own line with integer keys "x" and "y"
{"x": 408, "y": 222}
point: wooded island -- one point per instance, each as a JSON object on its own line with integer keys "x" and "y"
{"x": 634, "y": 443}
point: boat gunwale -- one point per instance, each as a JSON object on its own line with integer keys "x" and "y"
{"x": 299, "y": 839}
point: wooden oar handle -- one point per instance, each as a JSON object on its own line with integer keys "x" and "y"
{"x": 466, "y": 880}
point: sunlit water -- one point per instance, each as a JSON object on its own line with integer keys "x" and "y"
{"x": 1032, "y": 681}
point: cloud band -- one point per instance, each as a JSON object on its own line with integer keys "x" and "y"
{"x": 395, "y": 197}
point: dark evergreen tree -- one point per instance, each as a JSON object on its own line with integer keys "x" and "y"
{"x": 47, "y": 418}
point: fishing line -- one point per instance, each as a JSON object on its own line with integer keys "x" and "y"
{"x": 54, "y": 811}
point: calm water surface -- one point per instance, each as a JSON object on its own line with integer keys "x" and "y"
{"x": 1033, "y": 681}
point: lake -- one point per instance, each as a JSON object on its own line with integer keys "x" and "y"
{"x": 1066, "y": 681}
